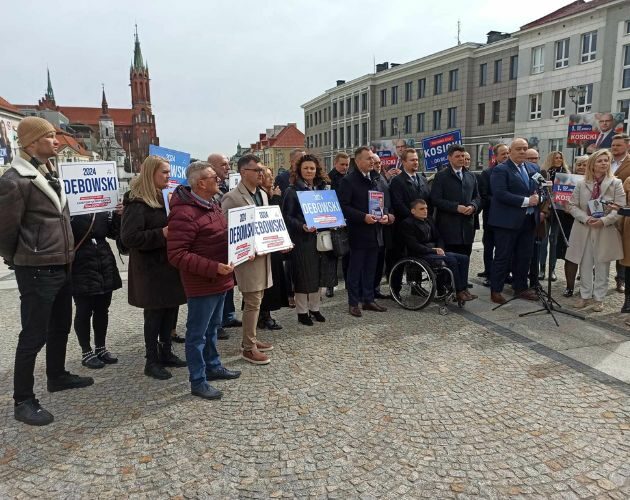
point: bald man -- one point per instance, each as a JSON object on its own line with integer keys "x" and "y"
{"x": 221, "y": 166}
{"x": 532, "y": 156}
{"x": 513, "y": 215}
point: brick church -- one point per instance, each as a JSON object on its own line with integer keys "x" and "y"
{"x": 121, "y": 134}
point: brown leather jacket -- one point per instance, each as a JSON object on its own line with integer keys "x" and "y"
{"x": 34, "y": 221}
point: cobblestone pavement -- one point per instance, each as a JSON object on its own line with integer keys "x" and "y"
{"x": 399, "y": 405}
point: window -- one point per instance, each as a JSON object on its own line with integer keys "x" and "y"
{"x": 349, "y": 105}
{"x": 422, "y": 88}
{"x": 559, "y": 99}
{"x": 325, "y": 139}
{"x": 356, "y": 103}
{"x": 364, "y": 133}
{"x": 315, "y": 119}
{"x": 556, "y": 144}
{"x": 394, "y": 126}
{"x": 562, "y": 53}
{"x": 320, "y": 115}
{"x": 496, "y": 111}
{"x": 341, "y": 144}
{"x": 408, "y": 91}
{"x": 395, "y": 95}
{"x": 383, "y": 98}
{"x": 625, "y": 79}
{"x": 498, "y": 69}
{"x": 589, "y": 46}
{"x": 341, "y": 108}
{"x": 535, "y": 106}
{"x": 481, "y": 113}
{"x": 357, "y": 140}
{"x": 483, "y": 74}
{"x": 452, "y": 79}
{"x": 627, "y": 27}
{"x": 538, "y": 59}
{"x": 364, "y": 101}
{"x": 452, "y": 118}
{"x": 437, "y": 84}
{"x": 437, "y": 119}
{"x": 511, "y": 109}
{"x": 513, "y": 67}
{"x": 408, "y": 124}
{"x": 334, "y": 111}
{"x": 383, "y": 131}
{"x": 348, "y": 136}
{"x": 420, "y": 122}
{"x": 325, "y": 111}
{"x": 316, "y": 143}
{"x": 585, "y": 103}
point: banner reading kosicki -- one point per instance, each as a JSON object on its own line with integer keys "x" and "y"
{"x": 593, "y": 131}
{"x": 90, "y": 186}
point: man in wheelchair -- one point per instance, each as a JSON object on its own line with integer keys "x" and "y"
{"x": 423, "y": 240}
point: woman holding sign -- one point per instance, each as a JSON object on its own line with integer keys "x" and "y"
{"x": 595, "y": 241}
{"x": 154, "y": 284}
{"x": 310, "y": 269}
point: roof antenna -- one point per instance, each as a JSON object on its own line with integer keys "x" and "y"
{"x": 459, "y": 30}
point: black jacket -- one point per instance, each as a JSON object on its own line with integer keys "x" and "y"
{"x": 421, "y": 237}
{"x": 94, "y": 269}
{"x": 335, "y": 179}
{"x": 485, "y": 193}
{"x": 353, "y": 198}
{"x": 403, "y": 191}
{"x": 447, "y": 192}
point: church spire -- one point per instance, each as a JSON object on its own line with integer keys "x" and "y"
{"x": 50, "y": 95}
{"x": 137, "y": 53}
{"x": 104, "y": 106}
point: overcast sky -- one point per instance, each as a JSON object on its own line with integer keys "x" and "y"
{"x": 223, "y": 71}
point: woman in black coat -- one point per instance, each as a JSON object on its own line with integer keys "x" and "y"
{"x": 310, "y": 269}
{"x": 154, "y": 284}
{"x": 94, "y": 277}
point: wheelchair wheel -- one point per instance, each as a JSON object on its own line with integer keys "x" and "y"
{"x": 412, "y": 283}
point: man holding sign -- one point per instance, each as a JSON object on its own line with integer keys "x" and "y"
{"x": 253, "y": 276}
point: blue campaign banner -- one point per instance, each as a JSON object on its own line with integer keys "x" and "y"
{"x": 321, "y": 209}
{"x": 178, "y": 161}
{"x": 435, "y": 148}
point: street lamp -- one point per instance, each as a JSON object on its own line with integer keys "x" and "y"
{"x": 576, "y": 94}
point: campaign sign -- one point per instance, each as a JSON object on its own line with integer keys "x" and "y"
{"x": 435, "y": 148}
{"x": 177, "y": 160}
{"x": 376, "y": 203}
{"x": 581, "y": 133}
{"x": 241, "y": 234}
{"x": 563, "y": 187}
{"x": 321, "y": 209}
{"x": 271, "y": 233}
{"x": 233, "y": 179}
{"x": 90, "y": 186}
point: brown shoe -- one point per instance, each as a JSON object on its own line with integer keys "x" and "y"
{"x": 469, "y": 296}
{"x": 621, "y": 286}
{"x": 355, "y": 311}
{"x": 255, "y": 357}
{"x": 497, "y": 298}
{"x": 373, "y": 306}
{"x": 526, "y": 294}
{"x": 263, "y": 346}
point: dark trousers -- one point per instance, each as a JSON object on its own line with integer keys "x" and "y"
{"x": 288, "y": 276}
{"x": 158, "y": 324}
{"x": 95, "y": 308}
{"x": 458, "y": 264}
{"x": 460, "y": 249}
{"x": 515, "y": 246}
{"x": 488, "y": 248}
{"x": 229, "y": 310}
{"x": 345, "y": 263}
{"x": 535, "y": 264}
{"x": 361, "y": 272}
{"x": 380, "y": 265}
{"x": 46, "y": 313}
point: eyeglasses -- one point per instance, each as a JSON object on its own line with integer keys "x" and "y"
{"x": 209, "y": 177}
{"x": 257, "y": 170}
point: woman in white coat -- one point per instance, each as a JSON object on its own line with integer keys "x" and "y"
{"x": 595, "y": 240}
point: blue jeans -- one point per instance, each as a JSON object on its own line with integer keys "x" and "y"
{"x": 204, "y": 319}
{"x": 228, "y": 310}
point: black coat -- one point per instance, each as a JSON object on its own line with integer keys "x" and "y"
{"x": 276, "y": 296}
{"x": 94, "y": 269}
{"x": 335, "y": 179}
{"x": 485, "y": 193}
{"x": 420, "y": 237}
{"x": 354, "y": 201}
{"x": 311, "y": 269}
{"x": 447, "y": 192}
{"x": 153, "y": 282}
{"x": 403, "y": 191}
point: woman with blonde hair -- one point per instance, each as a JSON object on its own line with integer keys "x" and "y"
{"x": 595, "y": 240}
{"x": 154, "y": 284}
{"x": 553, "y": 164}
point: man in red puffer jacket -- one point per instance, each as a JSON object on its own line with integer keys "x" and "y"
{"x": 198, "y": 246}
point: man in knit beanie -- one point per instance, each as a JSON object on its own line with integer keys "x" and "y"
{"x": 36, "y": 240}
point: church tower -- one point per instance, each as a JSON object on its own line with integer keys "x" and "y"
{"x": 143, "y": 121}
{"x": 48, "y": 102}
{"x": 108, "y": 146}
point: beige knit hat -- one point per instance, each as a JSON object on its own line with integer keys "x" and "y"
{"x": 32, "y": 128}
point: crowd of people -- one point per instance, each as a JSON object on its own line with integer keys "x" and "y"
{"x": 182, "y": 258}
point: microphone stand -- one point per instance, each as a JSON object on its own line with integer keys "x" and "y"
{"x": 549, "y": 304}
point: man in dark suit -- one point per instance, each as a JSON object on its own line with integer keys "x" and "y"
{"x": 455, "y": 196}
{"x": 606, "y": 124}
{"x": 363, "y": 233}
{"x": 282, "y": 179}
{"x": 513, "y": 215}
{"x": 338, "y": 172}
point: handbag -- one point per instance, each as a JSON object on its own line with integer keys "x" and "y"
{"x": 324, "y": 241}
{"x": 340, "y": 241}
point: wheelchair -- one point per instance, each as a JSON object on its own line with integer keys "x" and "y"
{"x": 422, "y": 282}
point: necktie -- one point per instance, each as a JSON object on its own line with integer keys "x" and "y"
{"x": 459, "y": 174}
{"x": 523, "y": 172}
{"x": 599, "y": 140}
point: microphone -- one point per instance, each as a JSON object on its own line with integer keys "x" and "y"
{"x": 538, "y": 178}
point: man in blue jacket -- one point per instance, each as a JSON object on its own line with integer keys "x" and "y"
{"x": 513, "y": 214}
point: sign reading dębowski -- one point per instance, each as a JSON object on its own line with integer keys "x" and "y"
{"x": 178, "y": 161}
{"x": 255, "y": 231}
{"x": 321, "y": 209}
{"x": 90, "y": 186}
{"x": 435, "y": 148}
